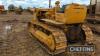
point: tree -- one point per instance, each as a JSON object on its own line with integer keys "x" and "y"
{"x": 11, "y": 7}
{"x": 20, "y": 8}
{"x": 63, "y": 8}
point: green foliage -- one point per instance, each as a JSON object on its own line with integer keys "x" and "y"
{"x": 63, "y": 8}
{"x": 20, "y": 8}
{"x": 11, "y": 7}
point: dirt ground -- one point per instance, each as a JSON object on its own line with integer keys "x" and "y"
{"x": 15, "y": 41}
{"x": 14, "y": 38}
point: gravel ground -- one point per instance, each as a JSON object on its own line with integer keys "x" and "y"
{"x": 15, "y": 41}
{"x": 14, "y": 38}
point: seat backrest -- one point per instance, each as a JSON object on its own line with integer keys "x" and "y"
{"x": 75, "y": 13}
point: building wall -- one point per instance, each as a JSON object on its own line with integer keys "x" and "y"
{"x": 98, "y": 7}
{"x": 93, "y": 1}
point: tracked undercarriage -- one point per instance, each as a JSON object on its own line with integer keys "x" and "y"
{"x": 57, "y": 31}
{"x": 59, "y": 39}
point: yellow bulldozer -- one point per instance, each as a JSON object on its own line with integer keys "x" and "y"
{"x": 59, "y": 30}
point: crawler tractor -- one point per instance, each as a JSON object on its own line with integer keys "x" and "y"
{"x": 1, "y": 9}
{"x": 57, "y": 29}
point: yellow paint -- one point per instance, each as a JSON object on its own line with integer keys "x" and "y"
{"x": 73, "y": 14}
{"x": 47, "y": 40}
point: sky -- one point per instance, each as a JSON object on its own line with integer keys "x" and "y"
{"x": 39, "y": 3}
